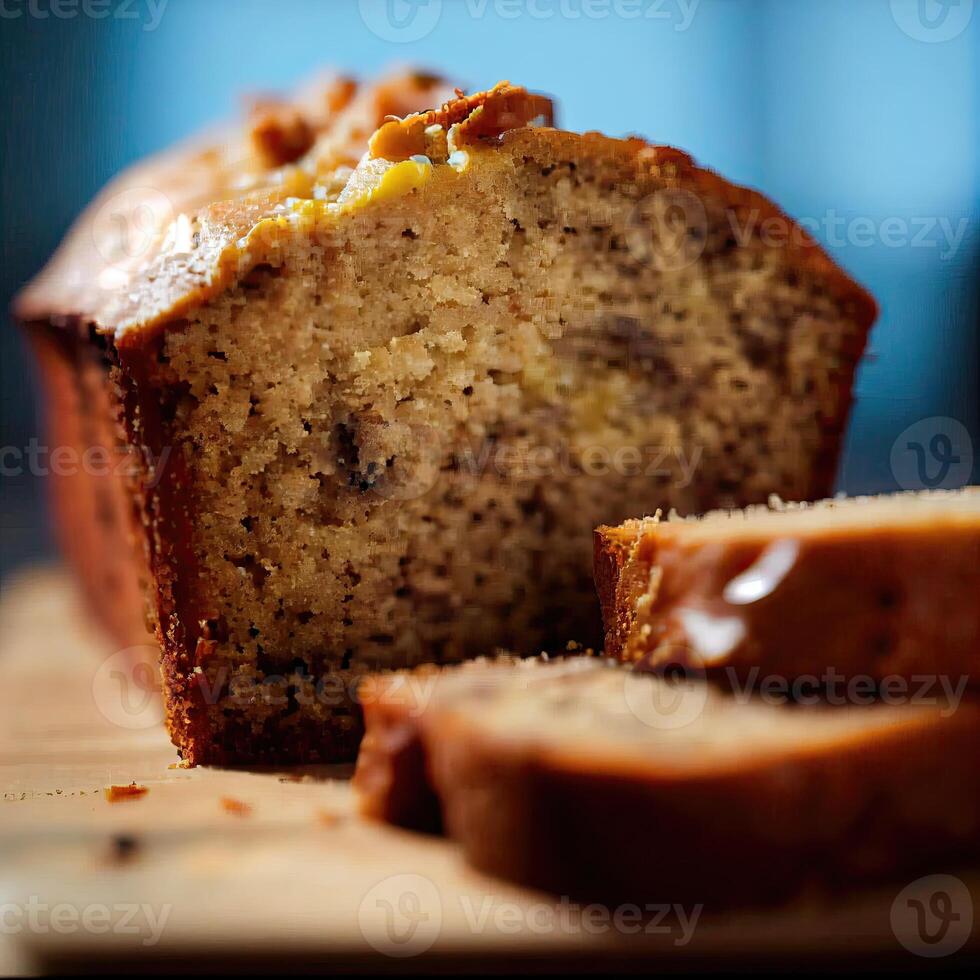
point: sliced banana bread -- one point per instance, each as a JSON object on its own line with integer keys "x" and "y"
{"x": 396, "y": 380}
{"x": 885, "y": 588}
{"x": 609, "y": 784}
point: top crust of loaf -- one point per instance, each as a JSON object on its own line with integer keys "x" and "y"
{"x": 222, "y": 181}
{"x": 221, "y": 206}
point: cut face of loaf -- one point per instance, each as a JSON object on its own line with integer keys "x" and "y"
{"x": 886, "y": 588}
{"x": 605, "y": 784}
{"x": 395, "y": 402}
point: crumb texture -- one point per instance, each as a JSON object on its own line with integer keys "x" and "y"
{"x": 399, "y": 431}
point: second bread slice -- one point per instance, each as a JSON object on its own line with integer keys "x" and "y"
{"x": 594, "y": 781}
{"x": 877, "y": 587}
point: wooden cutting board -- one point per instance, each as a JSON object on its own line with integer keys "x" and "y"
{"x": 218, "y": 869}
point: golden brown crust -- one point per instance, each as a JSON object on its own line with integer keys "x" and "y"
{"x": 612, "y": 548}
{"x": 89, "y": 498}
{"x": 484, "y": 115}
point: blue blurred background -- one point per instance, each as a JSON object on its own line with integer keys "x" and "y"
{"x": 860, "y": 116}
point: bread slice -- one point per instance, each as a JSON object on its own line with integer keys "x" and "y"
{"x": 606, "y": 784}
{"x": 396, "y": 379}
{"x": 883, "y": 588}
{"x": 391, "y": 778}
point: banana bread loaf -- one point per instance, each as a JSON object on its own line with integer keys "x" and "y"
{"x": 609, "y": 784}
{"x": 885, "y": 588}
{"x": 393, "y": 381}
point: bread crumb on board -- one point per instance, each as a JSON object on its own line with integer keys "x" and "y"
{"x": 238, "y": 807}
{"x": 120, "y": 794}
